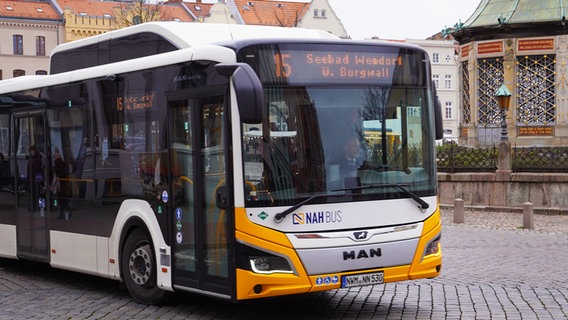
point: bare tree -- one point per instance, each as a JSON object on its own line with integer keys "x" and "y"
{"x": 284, "y": 21}
{"x": 138, "y": 11}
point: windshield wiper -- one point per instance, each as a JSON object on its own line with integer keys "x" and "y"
{"x": 423, "y": 204}
{"x": 280, "y": 216}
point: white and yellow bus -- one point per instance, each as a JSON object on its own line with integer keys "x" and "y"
{"x": 209, "y": 158}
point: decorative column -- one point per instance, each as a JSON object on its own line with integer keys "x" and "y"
{"x": 509, "y": 75}
{"x": 561, "y": 130}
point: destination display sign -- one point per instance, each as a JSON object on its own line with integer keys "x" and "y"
{"x": 292, "y": 66}
{"x": 135, "y": 103}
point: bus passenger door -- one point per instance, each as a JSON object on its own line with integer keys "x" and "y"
{"x": 7, "y": 194}
{"x": 32, "y": 180}
{"x": 201, "y": 229}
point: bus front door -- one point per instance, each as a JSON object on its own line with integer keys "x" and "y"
{"x": 32, "y": 178}
{"x": 201, "y": 230}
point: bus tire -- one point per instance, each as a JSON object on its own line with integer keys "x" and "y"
{"x": 139, "y": 269}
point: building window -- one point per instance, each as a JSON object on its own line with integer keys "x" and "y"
{"x": 41, "y": 72}
{"x": 40, "y": 46}
{"x": 316, "y": 12}
{"x": 448, "y": 82}
{"x": 536, "y": 97}
{"x": 1, "y": 76}
{"x": 323, "y": 13}
{"x": 18, "y": 73}
{"x": 435, "y": 58}
{"x": 436, "y": 80}
{"x": 448, "y": 59}
{"x": 466, "y": 109}
{"x": 448, "y": 110}
{"x": 490, "y": 79}
{"x": 18, "y": 44}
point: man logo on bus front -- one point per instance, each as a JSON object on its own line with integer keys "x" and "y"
{"x": 360, "y": 235}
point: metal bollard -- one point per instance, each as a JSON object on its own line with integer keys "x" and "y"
{"x": 528, "y": 215}
{"x": 459, "y": 216}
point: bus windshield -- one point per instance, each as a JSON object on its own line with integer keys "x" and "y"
{"x": 340, "y": 126}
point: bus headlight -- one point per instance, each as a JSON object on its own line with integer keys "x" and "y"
{"x": 260, "y": 261}
{"x": 433, "y": 246}
{"x": 273, "y": 264}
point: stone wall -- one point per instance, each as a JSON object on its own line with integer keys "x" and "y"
{"x": 506, "y": 191}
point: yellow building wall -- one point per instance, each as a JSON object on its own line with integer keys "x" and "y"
{"x": 78, "y": 26}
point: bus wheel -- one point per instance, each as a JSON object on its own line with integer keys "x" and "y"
{"x": 139, "y": 269}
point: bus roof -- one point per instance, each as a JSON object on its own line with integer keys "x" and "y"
{"x": 188, "y": 34}
{"x": 205, "y": 52}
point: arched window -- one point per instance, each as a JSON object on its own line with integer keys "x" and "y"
{"x": 41, "y": 72}
{"x": 18, "y": 73}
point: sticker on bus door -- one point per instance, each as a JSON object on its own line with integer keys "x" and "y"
{"x": 179, "y": 237}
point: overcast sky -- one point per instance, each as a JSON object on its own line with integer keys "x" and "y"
{"x": 399, "y": 19}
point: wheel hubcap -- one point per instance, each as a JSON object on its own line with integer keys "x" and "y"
{"x": 140, "y": 265}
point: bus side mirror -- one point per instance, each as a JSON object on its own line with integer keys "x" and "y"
{"x": 248, "y": 90}
{"x": 222, "y": 198}
{"x": 439, "y": 123}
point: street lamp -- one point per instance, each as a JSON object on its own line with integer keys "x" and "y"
{"x": 503, "y": 96}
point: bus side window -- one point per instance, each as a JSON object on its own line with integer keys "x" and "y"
{"x": 69, "y": 134}
{"x": 5, "y": 172}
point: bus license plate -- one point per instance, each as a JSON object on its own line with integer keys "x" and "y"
{"x": 362, "y": 279}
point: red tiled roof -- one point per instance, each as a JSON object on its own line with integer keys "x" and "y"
{"x": 100, "y": 8}
{"x": 89, "y": 8}
{"x": 200, "y": 10}
{"x": 173, "y": 12}
{"x": 272, "y": 13}
{"x": 28, "y": 10}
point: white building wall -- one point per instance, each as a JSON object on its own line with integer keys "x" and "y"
{"x": 29, "y": 61}
{"x": 446, "y": 65}
{"x": 320, "y": 15}
{"x": 220, "y": 13}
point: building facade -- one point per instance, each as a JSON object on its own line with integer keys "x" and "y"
{"x": 315, "y": 14}
{"x": 85, "y": 18}
{"x": 523, "y": 46}
{"x": 30, "y": 30}
{"x": 320, "y": 15}
{"x": 445, "y": 76}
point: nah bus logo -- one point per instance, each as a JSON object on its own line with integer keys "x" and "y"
{"x": 316, "y": 217}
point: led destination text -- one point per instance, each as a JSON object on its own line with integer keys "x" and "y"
{"x": 302, "y": 65}
{"x": 352, "y": 59}
{"x": 132, "y": 103}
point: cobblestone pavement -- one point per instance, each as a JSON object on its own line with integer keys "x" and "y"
{"x": 493, "y": 269}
